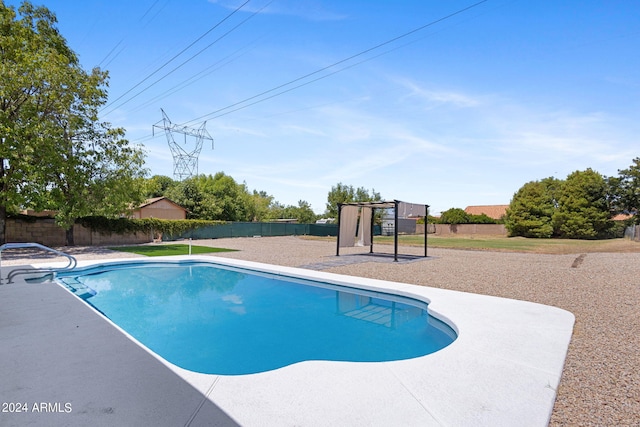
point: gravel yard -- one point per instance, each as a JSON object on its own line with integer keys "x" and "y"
{"x": 601, "y": 379}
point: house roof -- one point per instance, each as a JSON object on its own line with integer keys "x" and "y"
{"x": 492, "y": 211}
{"x": 151, "y": 201}
{"x": 621, "y": 217}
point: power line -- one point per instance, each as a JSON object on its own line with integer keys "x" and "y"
{"x": 298, "y": 86}
{"x": 213, "y": 114}
{"x": 150, "y": 137}
{"x": 314, "y": 80}
{"x": 118, "y": 49}
{"x": 189, "y": 59}
{"x": 198, "y": 76}
{"x": 149, "y": 10}
{"x": 174, "y": 57}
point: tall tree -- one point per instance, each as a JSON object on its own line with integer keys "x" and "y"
{"x": 217, "y": 197}
{"x": 92, "y": 169}
{"x": 583, "y": 207}
{"x": 454, "y": 216}
{"x": 158, "y": 185}
{"x": 260, "y": 205}
{"x": 627, "y": 190}
{"x": 531, "y": 209}
{"x": 341, "y": 193}
{"x": 303, "y": 212}
{"x": 34, "y": 60}
{"x": 58, "y": 153}
{"x": 231, "y": 197}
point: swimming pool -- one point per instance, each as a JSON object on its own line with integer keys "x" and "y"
{"x": 217, "y": 319}
{"x": 503, "y": 367}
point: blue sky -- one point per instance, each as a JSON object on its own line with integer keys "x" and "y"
{"x": 461, "y": 112}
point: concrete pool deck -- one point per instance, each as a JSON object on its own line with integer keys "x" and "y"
{"x": 503, "y": 369}
{"x": 61, "y": 365}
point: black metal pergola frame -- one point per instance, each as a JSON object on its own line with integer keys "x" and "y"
{"x": 381, "y": 205}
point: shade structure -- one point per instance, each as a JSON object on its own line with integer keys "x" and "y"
{"x": 348, "y": 214}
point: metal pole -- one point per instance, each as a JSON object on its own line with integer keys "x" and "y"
{"x": 339, "y": 225}
{"x": 395, "y": 233}
{"x": 373, "y": 214}
{"x": 426, "y": 228}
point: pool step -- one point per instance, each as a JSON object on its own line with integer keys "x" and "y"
{"x": 78, "y": 288}
{"x": 373, "y": 313}
{"x": 40, "y": 279}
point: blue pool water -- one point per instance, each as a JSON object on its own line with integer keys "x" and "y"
{"x": 216, "y": 319}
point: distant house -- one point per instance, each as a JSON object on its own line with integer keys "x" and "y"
{"x": 161, "y": 208}
{"x": 286, "y": 220}
{"x": 622, "y": 217}
{"x": 492, "y": 211}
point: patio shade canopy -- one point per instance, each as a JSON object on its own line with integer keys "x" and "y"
{"x": 348, "y": 214}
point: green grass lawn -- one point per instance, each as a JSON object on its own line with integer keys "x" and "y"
{"x": 165, "y": 250}
{"x": 517, "y": 244}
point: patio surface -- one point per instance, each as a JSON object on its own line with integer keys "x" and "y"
{"x": 62, "y": 365}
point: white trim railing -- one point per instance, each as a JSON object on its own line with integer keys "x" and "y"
{"x": 72, "y": 262}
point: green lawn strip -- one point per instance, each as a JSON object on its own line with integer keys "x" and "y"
{"x": 515, "y": 244}
{"x": 167, "y": 250}
{"x": 499, "y": 243}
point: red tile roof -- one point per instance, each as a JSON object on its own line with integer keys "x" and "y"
{"x": 492, "y": 211}
{"x": 621, "y": 217}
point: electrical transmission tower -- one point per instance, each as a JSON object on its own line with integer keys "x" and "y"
{"x": 185, "y": 163}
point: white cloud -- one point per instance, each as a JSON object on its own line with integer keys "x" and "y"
{"x": 438, "y": 96}
{"x": 561, "y": 136}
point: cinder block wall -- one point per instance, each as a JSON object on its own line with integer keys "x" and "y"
{"x": 43, "y": 231}
{"x": 46, "y": 232}
{"x": 480, "y": 229}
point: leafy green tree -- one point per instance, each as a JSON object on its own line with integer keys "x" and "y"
{"x": 454, "y": 216}
{"x": 583, "y": 209}
{"x": 276, "y": 211}
{"x": 260, "y": 206}
{"x": 531, "y": 209}
{"x": 33, "y": 61}
{"x": 54, "y": 152}
{"x": 217, "y": 197}
{"x": 230, "y": 196}
{"x": 430, "y": 220}
{"x": 341, "y": 193}
{"x": 303, "y": 212}
{"x": 187, "y": 194}
{"x": 626, "y": 190}
{"x": 99, "y": 177}
{"x": 158, "y": 186}
{"x": 481, "y": 219}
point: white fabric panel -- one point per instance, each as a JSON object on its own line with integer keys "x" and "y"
{"x": 411, "y": 210}
{"x": 364, "y": 232}
{"x": 348, "y": 224}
